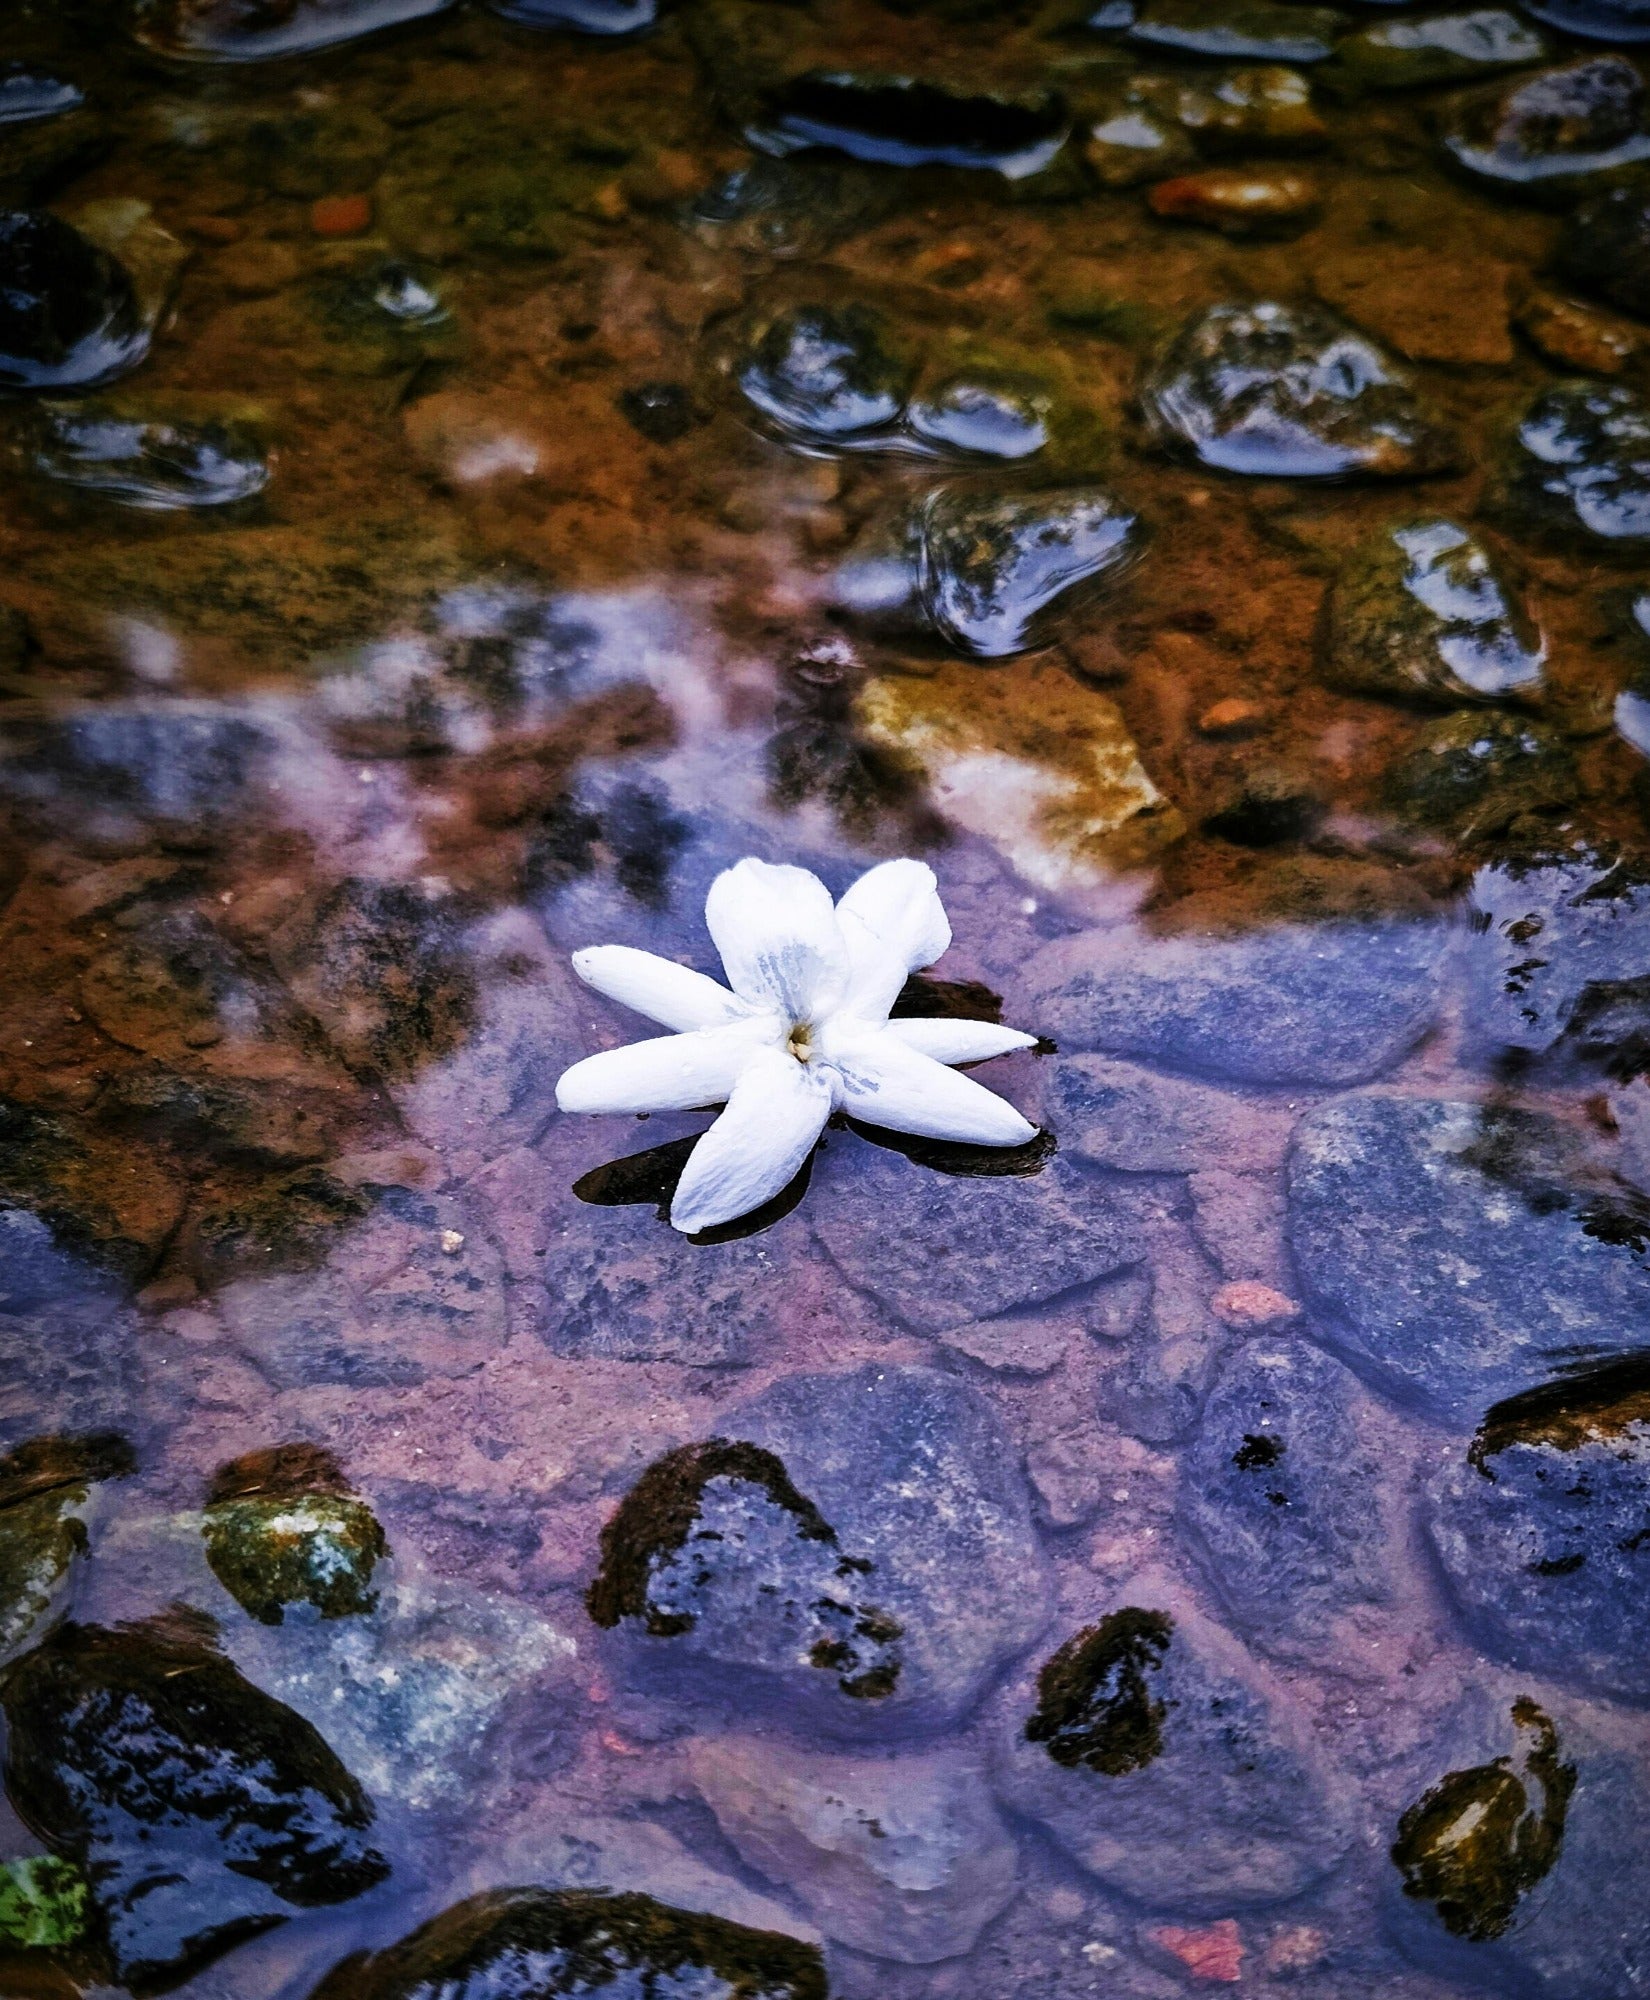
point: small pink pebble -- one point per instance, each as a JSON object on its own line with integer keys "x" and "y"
{"x": 1215, "y": 1953}
{"x": 1247, "y": 1303}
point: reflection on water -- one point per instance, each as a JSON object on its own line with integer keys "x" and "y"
{"x": 477, "y": 472}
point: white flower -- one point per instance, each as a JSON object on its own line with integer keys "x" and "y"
{"x": 804, "y": 1032}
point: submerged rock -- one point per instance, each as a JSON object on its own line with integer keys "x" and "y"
{"x": 903, "y": 1858}
{"x": 904, "y": 121}
{"x": 858, "y": 1547}
{"x": 1281, "y": 1490}
{"x": 989, "y": 569}
{"x": 1239, "y": 201}
{"x": 1290, "y": 392}
{"x": 68, "y": 316}
{"x": 27, "y": 93}
{"x": 43, "y": 1904}
{"x": 1294, "y": 1003}
{"x": 1555, "y": 134}
{"x": 554, "y": 1944}
{"x": 1560, "y": 948}
{"x": 152, "y": 464}
{"x": 1260, "y": 108}
{"x": 1421, "y": 610}
{"x": 44, "y": 1488}
{"x": 1596, "y": 20}
{"x": 1405, "y": 54}
{"x": 200, "y": 1810}
{"x": 1539, "y": 1528}
{"x": 827, "y": 376}
{"x": 791, "y": 207}
{"x": 1238, "y": 30}
{"x": 1459, "y": 1253}
{"x": 1477, "y": 774}
{"x": 1605, "y": 248}
{"x": 1577, "y": 467}
{"x": 283, "y": 1528}
{"x": 1169, "y": 1764}
{"x": 1477, "y": 1842}
{"x": 969, "y": 1248}
{"x": 232, "y": 31}
{"x": 582, "y": 17}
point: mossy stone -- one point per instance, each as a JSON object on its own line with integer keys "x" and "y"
{"x": 42, "y": 1903}
{"x": 1476, "y": 774}
{"x": 318, "y": 1549}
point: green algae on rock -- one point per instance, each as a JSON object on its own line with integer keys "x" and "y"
{"x": 43, "y": 1903}
{"x": 1422, "y": 611}
{"x": 44, "y": 1485}
{"x": 1477, "y": 1842}
{"x": 1477, "y": 774}
{"x": 543, "y": 1944}
{"x": 282, "y": 1528}
{"x": 1096, "y": 1699}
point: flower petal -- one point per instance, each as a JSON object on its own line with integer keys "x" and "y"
{"x": 657, "y": 987}
{"x": 779, "y": 938}
{"x": 886, "y": 1083}
{"x": 894, "y": 922}
{"x": 774, "y": 1117}
{"x": 959, "y": 1041}
{"x": 670, "y": 1073}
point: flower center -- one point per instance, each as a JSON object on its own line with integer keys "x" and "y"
{"x": 801, "y": 1041}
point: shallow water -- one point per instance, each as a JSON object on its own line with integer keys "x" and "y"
{"x": 488, "y": 479}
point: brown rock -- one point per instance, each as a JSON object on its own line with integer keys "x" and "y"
{"x": 1232, "y": 717}
{"x": 1572, "y": 335}
{"x": 1239, "y": 201}
{"x": 1431, "y": 305}
{"x": 1247, "y": 1303}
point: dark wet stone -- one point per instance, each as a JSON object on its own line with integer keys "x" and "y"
{"x": 381, "y": 966}
{"x": 1543, "y": 1528}
{"x": 1420, "y": 610}
{"x": 1478, "y": 774}
{"x": 1560, "y": 946}
{"x": 44, "y": 1488}
{"x": 966, "y": 1249}
{"x": 1281, "y": 1491}
{"x": 201, "y": 1811}
{"x": 68, "y": 316}
{"x": 980, "y": 418}
{"x": 990, "y": 569}
{"x": 1459, "y": 1253}
{"x": 857, "y": 1547}
{"x": 231, "y": 31}
{"x": 661, "y": 411}
{"x": 1519, "y": 1867}
{"x": 543, "y": 1944}
{"x": 1477, "y": 1842}
{"x": 903, "y": 121}
{"x": 283, "y": 1528}
{"x": 1605, "y": 247}
{"x": 1596, "y": 20}
{"x": 1577, "y": 467}
{"x": 827, "y": 376}
{"x": 581, "y": 17}
{"x": 1406, "y": 54}
{"x": 1168, "y": 1763}
{"x": 154, "y": 465}
{"x": 28, "y": 93}
{"x": 1553, "y": 135}
{"x": 1290, "y": 392}
{"x": 1295, "y": 1003}
{"x": 1238, "y": 30}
